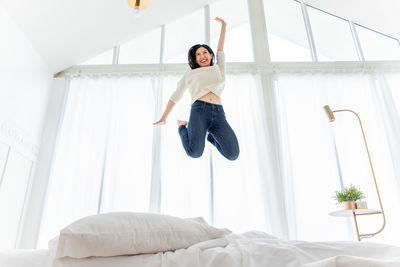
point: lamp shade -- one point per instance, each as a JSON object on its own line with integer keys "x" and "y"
{"x": 329, "y": 113}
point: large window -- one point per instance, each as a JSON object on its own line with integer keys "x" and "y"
{"x": 332, "y": 37}
{"x": 376, "y": 46}
{"x": 393, "y": 82}
{"x": 104, "y": 58}
{"x": 105, "y": 157}
{"x": 141, "y": 50}
{"x": 238, "y": 42}
{"x": 185, "y": 182}
{"x": 287, "y": 35}
{"x": 109, "y": 156}
{"x": 182, "y": 34}
{"x": 317, "y": 153}
{"x": 102, "y": 159}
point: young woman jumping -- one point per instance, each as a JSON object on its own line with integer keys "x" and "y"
{"x": 207, "y": 120}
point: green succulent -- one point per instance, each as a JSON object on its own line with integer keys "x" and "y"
{"x": 351, "y": 193}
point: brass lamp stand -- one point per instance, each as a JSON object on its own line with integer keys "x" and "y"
{"x": 356, "y": 212}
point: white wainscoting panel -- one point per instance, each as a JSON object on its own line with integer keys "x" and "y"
{"x": 4, "y": 149}
{"x": 13, "y": 191}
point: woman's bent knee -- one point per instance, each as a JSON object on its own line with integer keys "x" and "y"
{"x": 194, "y": 154}
{"x": 233, "y": 156}
{"x": 195, "y": 151}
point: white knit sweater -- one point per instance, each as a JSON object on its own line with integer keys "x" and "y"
{"x": 202, "y": 80}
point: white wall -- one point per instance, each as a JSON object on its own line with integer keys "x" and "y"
{"x": 25, "y": 85}
{"x": 30, "y": 225}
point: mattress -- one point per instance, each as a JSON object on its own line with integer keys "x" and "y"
{"x": 236, "y": 250}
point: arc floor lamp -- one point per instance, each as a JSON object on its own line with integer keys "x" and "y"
{"x": 356, "y": 213}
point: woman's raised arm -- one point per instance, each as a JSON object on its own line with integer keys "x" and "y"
{"x": 222, "y": 34}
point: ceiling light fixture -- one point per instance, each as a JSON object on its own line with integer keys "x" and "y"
{"x": 138, "y": 4}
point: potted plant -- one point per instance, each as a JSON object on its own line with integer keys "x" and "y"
{"x": 349, "y": 196}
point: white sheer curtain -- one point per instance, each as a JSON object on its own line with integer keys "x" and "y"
{"x": 309, "y": 142}
{"x": 185, "y": 181}
{"x": 106, "y": 157}
{"x": 246, "y": 190}
{"x": 109, "y": 157}
{"x": 102, "y": 161}
{"x": 388, "y": 96}
{"x": 244, "y": 194}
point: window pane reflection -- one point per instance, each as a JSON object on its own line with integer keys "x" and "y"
{"x": 143, "y": 49}
{"x": 376, "y": 46}
{"x": 182, "y": 34}
{"x": 238, "y": 45}
{"x": 287, "y": 35}
{"x": 332, "y": 37}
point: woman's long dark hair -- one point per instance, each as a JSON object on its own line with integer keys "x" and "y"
{"x": 192, "y": 55}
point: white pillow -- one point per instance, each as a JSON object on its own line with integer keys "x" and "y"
{"x": 52, "y": 244}
{"x": 128, "y": 233}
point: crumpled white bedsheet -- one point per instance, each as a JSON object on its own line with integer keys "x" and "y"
{"x": 250, "y": 249}
{"x": 25, "y": 258}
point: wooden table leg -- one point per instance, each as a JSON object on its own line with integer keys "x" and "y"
{"x": 355, "y": 222}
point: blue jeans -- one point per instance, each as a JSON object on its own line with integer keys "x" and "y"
{"x": 209, "y": 117}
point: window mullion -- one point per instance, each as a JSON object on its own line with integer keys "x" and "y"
{"x": 207, "y": 19}
{"x": 115, "y": 55}
{"x": 258, "y": 32}
{"x": 310, "y": 37}
{"x": 162, "y": 42}
{"x": 356, "y": 41}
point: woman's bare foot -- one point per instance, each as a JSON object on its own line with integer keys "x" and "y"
{"x": 182, "y": 123}
{"x": 206, "y": 134}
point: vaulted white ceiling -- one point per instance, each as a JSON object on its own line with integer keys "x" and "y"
{"x": 69, "y": 32}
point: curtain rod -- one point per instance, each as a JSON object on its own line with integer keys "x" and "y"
{"x": 156, "y": 69}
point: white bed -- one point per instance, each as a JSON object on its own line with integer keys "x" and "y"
{"x": 245, "y": 250}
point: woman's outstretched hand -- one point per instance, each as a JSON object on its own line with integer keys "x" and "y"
{"x": 221, "y": 40}
{"x": 223, "y": 23}
{"x": 162, "y": 121}
{"x": 164, "y": 116}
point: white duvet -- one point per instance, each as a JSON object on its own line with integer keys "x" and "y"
{"x": 246, "y": 250}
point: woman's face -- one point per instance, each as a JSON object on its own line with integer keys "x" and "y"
{"x": 203, "y": 57}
